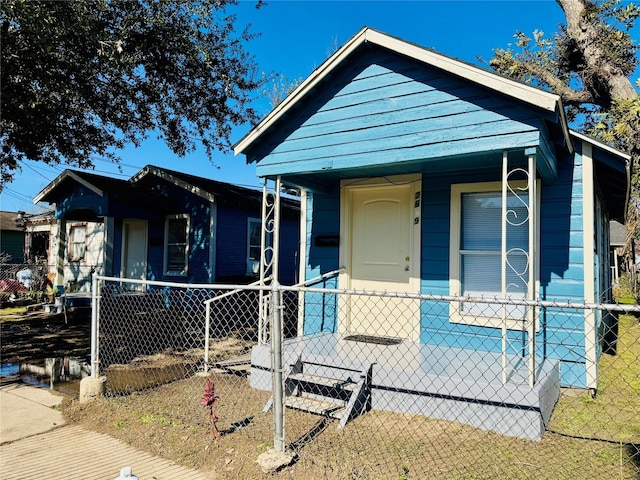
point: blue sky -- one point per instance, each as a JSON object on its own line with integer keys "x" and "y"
{"x": 296, "y": 37}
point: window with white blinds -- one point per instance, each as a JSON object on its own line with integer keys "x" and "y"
{"x": 476, "y": 252}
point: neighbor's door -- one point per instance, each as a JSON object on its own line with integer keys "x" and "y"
{"x": 382, "y": 255}
{"x": 134, "y": 249}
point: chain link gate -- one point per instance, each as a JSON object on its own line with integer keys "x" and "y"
{"x": 371, "y": 404}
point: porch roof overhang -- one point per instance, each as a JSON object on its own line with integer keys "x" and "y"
{"x": 546, "y": 101}
{"x": 325, "y": 179}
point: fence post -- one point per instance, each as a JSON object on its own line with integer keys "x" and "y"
{"x": 278, "y": 387}
{"x": 207, "y": 327}
{"x": 94, "y": 325}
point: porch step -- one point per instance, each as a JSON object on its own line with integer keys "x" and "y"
{"x": 240, "y": 365}
{"x": 342, "y": 398}
{"x": 348, "y": 385}
{"x": 318, "y": 407}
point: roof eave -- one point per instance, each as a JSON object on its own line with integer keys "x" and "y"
{"x": 67, "y": 174}
{"x": 160, "y": 173}
{"x": 309, "y": 83}
{"x": 613, "y": 151}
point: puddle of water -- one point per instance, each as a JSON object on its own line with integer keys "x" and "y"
{"x": 58, "y": 373}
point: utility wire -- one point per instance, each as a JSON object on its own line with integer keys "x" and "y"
{"x": 16, "y": 194}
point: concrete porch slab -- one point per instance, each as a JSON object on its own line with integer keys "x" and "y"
{"x": 462, "y": 385}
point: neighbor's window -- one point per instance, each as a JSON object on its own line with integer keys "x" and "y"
{"x": 476, "y": 253}
{"x": 77, "y": 242}
{"x": 254, "y": 229}
{"x": 176, "y": 250}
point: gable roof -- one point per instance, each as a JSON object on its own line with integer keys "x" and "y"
{"x": 506, "y": 86}
{"x": 99, "y": 184}
{"x": 211, "y": 190}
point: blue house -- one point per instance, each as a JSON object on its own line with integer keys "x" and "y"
{"x": 451, "y": 185}
{"x": 169, "y": 226}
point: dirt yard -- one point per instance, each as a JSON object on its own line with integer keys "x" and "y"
{"x": 377, "y": 445}
{"x": 38, "y": 335}
{"x": 580, "y": 442}
{"x": 169, "y": 421}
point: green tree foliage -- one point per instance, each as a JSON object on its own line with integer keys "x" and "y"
{"x": 588, "y": 63}
{"x": 85, "y": 78}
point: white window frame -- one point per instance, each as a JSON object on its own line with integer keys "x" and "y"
{"x": 73, "y": 241}
{"x": 167, "y": 221}
{"x": 456, "y": 315}
{"x": 253, "y": 263}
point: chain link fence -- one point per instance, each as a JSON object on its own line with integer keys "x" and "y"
{"x": 384, "y": 385}
{"x": 23, "y": 282}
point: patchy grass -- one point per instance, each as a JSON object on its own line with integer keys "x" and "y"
{"x": 12, "y": 314}
{"x": 587, "y": 439}
{"x": 618, "y": 391}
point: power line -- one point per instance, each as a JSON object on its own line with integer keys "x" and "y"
{"x": 106, "y": 160}
{"x": 16, "y": 194}
{"x": 35, "y": 170}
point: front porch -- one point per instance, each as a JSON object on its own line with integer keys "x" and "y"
{"x": 455, "y": 384}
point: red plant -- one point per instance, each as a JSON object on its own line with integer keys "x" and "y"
{"x": 209, "y": 400}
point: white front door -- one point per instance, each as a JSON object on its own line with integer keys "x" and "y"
{"x": 381, "y": 225}
{"x": 134, "y": 249}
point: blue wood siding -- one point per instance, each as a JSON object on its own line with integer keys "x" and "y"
{"x": 116, "y": 252}
{"x": 198, "y": 210}
{"x": 231, "y": 241}
{"x": 323, "y": 218}
{"x": 383, "y": 114}
{"x": 289, "y": 250}
{"x": 384, "y": 109}
{"x": 561, "y": 268}
{"x": 75, "y": 197}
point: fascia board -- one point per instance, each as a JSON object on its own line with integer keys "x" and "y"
{"x": 61, "y": 178}
{"x": 160, "y": 173}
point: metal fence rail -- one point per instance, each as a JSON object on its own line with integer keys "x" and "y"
{"x": 383, "y": 384}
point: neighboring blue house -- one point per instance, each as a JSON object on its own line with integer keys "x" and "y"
{"x": 169, "y": 226}
{"x": 404, "y": 157}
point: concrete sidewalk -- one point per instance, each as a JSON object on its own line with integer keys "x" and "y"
{"x": 36, "y": 443}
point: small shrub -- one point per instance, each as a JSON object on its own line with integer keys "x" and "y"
{"x": 209, "y": 400}
{"x": 626, "y": 292}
